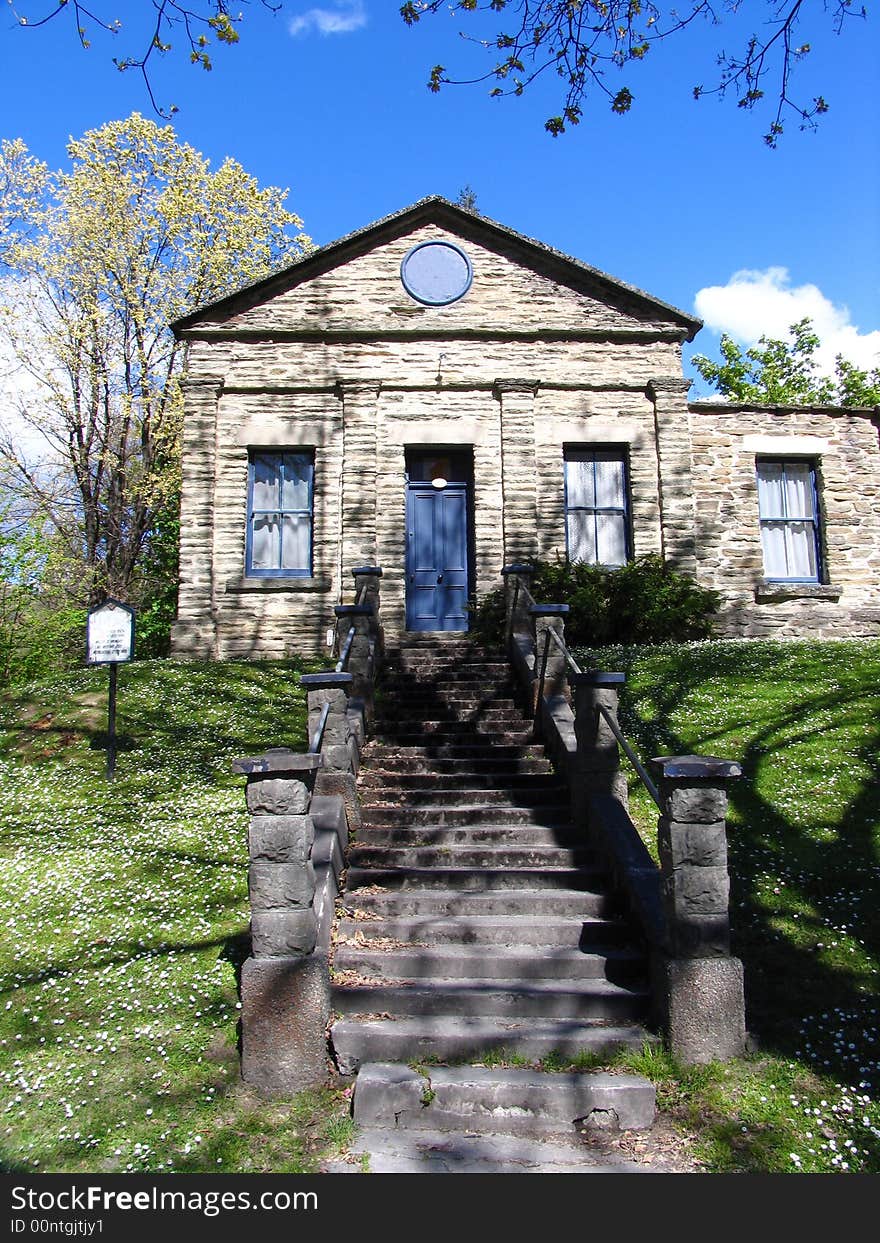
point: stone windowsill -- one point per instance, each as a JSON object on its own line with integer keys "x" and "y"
{"x": 768, "y": 591}
{"x": 257, "y": 583}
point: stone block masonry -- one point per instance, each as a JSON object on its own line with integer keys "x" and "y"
{"x": 285, "y": 982}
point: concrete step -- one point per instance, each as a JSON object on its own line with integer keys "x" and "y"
{"x": 596, "y": 1000}
{"x": 476, "y": 879}
{"x": 546, "y": 931}
{"x": 442, "y": 901}
{"x": 468, "y": 856}
{"x": 471, "y": 962}
{"x": 514, "y": 1101}
{"x": 440, "y": 1037}
{"x": 378, "y": 1150}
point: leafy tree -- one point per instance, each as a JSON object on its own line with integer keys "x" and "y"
{"x": 786, "y": 373}
{"x": 138, "y": 232}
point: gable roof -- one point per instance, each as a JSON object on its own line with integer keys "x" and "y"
{"x": 467, "y": 224}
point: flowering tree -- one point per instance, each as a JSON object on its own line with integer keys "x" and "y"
{"x": 100, "y": 259}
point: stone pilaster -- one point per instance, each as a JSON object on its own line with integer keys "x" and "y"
{"x": 675, "y": 470}
{"x": 359, "y": 471}
{"x": 700, "y": 983}
{"x": 549, "y": 660}
{"x": 338, "y": 749}
{"x": 285, "y": 985}
{"x": 518, "y": 467}
{"x": 597, "y": 768}
{"x": 194, "y": 633}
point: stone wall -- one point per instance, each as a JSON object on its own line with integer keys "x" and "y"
{"x": 844, "y": 446}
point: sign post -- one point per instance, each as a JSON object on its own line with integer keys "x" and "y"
{"x": 110, "y": 641}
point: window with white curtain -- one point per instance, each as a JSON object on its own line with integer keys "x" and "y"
{"x": 596, "y": 506}
{"x": 789, "y": 517}
{"x": 280, "y": 500}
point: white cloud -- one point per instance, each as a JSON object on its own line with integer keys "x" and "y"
{"x": 342, "y": 19}
{"x": 754, "y": 304}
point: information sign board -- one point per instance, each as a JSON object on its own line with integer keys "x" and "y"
{"x": 110, "y": 633}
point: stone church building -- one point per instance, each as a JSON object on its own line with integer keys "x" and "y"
{"x": 441, "y": 396}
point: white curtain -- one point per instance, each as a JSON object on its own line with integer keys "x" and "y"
{"x": 785, "y": 492}
{"x": 579, "y": 482}
{"x": 611, "y": 539}
{"x": 266, "y": 545}
{"x": 296, "y": 542}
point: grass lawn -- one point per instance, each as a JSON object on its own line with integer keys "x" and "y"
{"x": 125, "y": 907}
{"x": 804, "y": 856}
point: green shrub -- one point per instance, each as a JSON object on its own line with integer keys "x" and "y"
{"x": 645, "y": 601}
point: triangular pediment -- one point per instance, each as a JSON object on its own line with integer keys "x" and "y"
{"x": 354, "y": 286}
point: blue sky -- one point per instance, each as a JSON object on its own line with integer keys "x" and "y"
{"x": 678, "y": 197}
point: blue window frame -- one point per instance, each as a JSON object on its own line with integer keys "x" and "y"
{"x": 280, "y": 508}
{"x": 596, "y": 506}
{"x": 788, "y": 510}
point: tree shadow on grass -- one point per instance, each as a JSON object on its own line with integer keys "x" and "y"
{"x": 794, "y": 994}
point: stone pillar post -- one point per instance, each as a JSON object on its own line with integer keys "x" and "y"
{"x": 702, "y": 985}
{"x": 597, "y": 767}
{"x": 675, "y": 471}
{"x": 550, "y": 617}
{"x": 337, "y": 747}
{"x": 285, "y": 985}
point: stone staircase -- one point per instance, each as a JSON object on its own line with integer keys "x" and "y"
{"x": 475, "y": 920}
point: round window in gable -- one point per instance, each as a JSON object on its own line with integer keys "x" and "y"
{"x": 436, "y": 273}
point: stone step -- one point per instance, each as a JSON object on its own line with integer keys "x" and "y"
{"x": 514, "y": 1100}
{"x": 440, "y": 1037}
{"x": 468, "y": 835}
{"x": 438, "y": 814}
{"x": 432, "y": 719}
{"x": 469, "y": 856}
{"x": 476, "y": 879}
{"x": 596, "y": 1000}
{"x": 418, "y": 695}
{"x": 465, "y": 669}
{"x": 446, "y": 784}
{"x": 391, "y": 762}
{"x": 441, "y": 749}
{"x": 474, "y": 905}
{"x": 386, "y": 1151}
{"x": 375, "y": 796}
{"x": 464, "y": 736}
{"x": 471, "y": 962}
{"x": 480, "y": 930}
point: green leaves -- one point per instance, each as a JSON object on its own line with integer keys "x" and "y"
{"x": 786, "y": 373}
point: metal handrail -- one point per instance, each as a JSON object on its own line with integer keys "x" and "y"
{"x": 318, "y": 736}
{"x": 346, "y": 651}
{"x": 631, "y": 755}
{"x": 637, "y": 764}
{"x": 549, "y": 634}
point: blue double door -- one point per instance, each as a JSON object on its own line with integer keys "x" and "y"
{"x": 437, "y": 556}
